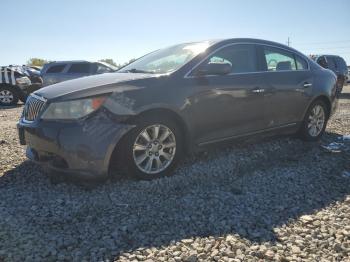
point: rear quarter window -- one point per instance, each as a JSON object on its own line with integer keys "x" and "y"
{"x": 55, "y": 69}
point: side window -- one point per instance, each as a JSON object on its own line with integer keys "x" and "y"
{"x": 279, "y": 60}
{"x": 242, "y": 58}
{"x": 79, "y": 68}
{"x": 55, "y": 69}
{"x": 301, "y": 63}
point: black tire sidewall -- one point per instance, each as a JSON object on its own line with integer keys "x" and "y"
{"x": 125, "y": 155}
{"x": 304, "y": 129}
{"x": 14, "y": 93}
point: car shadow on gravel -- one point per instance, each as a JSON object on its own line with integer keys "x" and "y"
{"x": 248, "y": 190}
{"x": 11, "y": 107}
{"x": 344, "y": 95}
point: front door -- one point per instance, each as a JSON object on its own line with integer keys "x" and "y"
{"x": 224, "y": 106}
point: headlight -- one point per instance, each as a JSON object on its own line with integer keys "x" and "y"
{"x": 73, "y": 109}
{"x": 21, "y": 81}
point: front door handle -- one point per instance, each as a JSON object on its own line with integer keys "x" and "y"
{"x": 258, "y": 90}
{"x": 306, "y": 84}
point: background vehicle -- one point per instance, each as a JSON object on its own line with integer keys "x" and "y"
{"x": 16, "y": 83}
{"x": 34, "y": 75}
{"x": 32, "y": 72}
{"x": 147, "y": 115}
{"x": 55, "y": 72}
{"x": 335, "y": 63}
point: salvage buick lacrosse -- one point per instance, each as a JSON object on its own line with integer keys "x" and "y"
{"x": 145, "y": 117}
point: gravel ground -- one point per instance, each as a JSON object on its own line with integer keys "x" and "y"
{"x": 279, "y": 200}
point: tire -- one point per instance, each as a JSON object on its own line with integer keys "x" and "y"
{"x": 133, "y": 148}
{"x": 309, "y": 130}
{"x": 8, "y": 96}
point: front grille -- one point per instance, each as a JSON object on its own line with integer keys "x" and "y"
{"x": 33, "y": 107}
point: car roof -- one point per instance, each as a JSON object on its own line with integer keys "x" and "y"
{"x": 319, "y": 55}
{"x": 234, "y": 40}
{"x": 68, "y": 62}
{"x": 258, "y": 41}
{"x": 249, "y": 40}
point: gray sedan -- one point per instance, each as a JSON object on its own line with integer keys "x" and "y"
{"x": 146, "y": 116}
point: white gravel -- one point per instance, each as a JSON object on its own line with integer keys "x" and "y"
{"x": 278, "y": 200}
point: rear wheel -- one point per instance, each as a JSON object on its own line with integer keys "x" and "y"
{"x": 8, "y": 96}
{"x": 315, "y": 121}
{"x": 152, "y": 149}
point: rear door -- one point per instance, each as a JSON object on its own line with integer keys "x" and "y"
{"x": 289, "y": 81}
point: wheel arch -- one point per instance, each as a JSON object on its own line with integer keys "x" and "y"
{"x": 326, "y": 100}
{"x": 162, "y": 112}
{"x": 172, "y": 114}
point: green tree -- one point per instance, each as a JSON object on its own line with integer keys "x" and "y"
{"x": 126, "y": 63}
{"x": 109, "y": 61}
{"x": 36, "y": 61}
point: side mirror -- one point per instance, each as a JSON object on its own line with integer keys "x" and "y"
{"x": 214, "y": 69}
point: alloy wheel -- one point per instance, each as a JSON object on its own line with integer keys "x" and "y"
{"x": 154, "y": 149}
{"x": 316, "y": 121}
{"x": 6, "y": 96}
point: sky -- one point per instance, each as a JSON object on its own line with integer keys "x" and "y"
{"x": 122, "y": 30}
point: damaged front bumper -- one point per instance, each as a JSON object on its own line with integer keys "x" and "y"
{"x": 81, "y": 148}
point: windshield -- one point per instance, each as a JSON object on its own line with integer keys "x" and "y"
{"x": 166, "y": 60}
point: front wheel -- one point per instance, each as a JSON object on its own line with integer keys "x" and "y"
{"x": 8, "y": 97}
{"x": 315, "y": 121}
{"x": 152, "y": 149}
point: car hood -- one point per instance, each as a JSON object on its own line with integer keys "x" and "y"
{"x": 88, "y": 86}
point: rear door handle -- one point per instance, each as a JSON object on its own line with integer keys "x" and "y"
{"x": 306, "y": 84}
{"x": 258, "y": 90}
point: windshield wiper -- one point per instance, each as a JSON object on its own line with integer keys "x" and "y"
{"x": 134, "y": 70}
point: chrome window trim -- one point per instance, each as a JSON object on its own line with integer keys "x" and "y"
{"x": 188, "y": 74}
